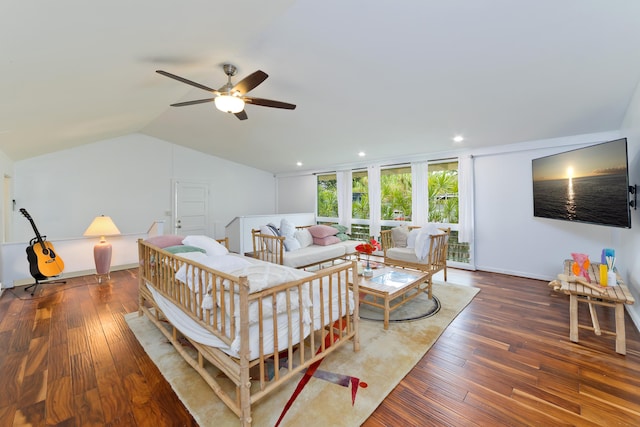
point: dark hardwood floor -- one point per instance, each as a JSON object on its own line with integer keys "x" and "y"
{"x": 67, "y": 358}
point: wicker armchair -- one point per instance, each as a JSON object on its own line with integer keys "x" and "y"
{"x": 435, "y": 261}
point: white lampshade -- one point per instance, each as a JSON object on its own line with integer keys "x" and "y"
{"x": 229, "y": 103}
{"x": 102, "y": 226}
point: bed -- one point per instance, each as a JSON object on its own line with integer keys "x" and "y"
{"x": 246, "y": 316}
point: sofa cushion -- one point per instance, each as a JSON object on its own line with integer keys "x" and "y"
{"x": 325, "y": 241}
{"x": 288, "y": 231}
{"x": 343, "y": 237}
{"x": 350, "y": 246}
{"x": 320, "y": 231}
{"x": 304, "y": 237}
{"x": 313, "y": 254}
{"x": 269, "y": 230}
{"x": 341, "y": 228}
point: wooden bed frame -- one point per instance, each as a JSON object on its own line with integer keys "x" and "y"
{"x": 158, "y": 270}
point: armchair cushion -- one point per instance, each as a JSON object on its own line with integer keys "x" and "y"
{"x": 404, "y": 254}
{"x": 399, "y": 236}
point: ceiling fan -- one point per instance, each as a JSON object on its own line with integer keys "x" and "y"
{"x": 232, "y": 98}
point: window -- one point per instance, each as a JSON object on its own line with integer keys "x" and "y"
{"x": 396, "y": 200}
{"x": 327, "y": 196}
{"x": 359, "y": 195}
{"x": 395, "y": 193}
{"x": 443, "y": 192}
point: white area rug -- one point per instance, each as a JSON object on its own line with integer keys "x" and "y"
{"x": 384, "y": 359}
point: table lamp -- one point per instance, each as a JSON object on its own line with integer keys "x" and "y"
{"x": 102, "y": 226}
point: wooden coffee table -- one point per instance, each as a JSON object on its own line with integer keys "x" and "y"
{"x": 391, "y": 287}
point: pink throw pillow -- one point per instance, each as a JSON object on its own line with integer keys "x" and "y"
{"x": 165, "y": 241}
{"x": 321, "y": 231}
{"x": 325, "y": 241}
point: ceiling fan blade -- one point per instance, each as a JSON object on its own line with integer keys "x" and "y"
{"x": 242, "y": 115}
{"x": 197, "y": 101}
{"x": 183, "y": 80}
{"x": 269, "y": 103}
{"x": 250, "y": 82}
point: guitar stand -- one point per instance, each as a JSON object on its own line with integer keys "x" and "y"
{"x": 38, "y": 282}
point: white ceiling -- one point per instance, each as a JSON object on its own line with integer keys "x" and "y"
{"x": 391, "y": 78}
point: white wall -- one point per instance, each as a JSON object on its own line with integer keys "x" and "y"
{"x": 6, "y": 172}
{"x": 294, "y": 195}
{"x": 130, "y": 179}
{"x": 630, "y": 247}
{"x": 508, "y": 239}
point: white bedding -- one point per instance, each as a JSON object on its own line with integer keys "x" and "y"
{"x": 262, "y": 274}
{"x": 191, "y": 329}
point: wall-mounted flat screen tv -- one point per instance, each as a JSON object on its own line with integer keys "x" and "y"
{"x": 589, "y": 184}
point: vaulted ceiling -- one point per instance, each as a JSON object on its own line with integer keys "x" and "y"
{"x": 387, "y": 78}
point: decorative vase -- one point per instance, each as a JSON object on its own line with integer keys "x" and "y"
{"x": 367, "y": 272}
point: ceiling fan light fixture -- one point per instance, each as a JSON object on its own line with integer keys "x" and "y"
{"x": 229, "y": 103}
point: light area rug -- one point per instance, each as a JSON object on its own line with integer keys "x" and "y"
{"x": 418, "y": 308}
{"x": 385, "y": 357}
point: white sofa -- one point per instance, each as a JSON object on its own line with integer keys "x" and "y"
{"x": 269, "y": 244}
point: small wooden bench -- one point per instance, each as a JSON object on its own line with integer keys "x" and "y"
{"x": 610, "y": 296}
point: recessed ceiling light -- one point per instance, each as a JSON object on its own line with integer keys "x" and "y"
{"x": 458, "y": 138}
{"x": 298, "y": 163}
{"x": 361, "y": 154}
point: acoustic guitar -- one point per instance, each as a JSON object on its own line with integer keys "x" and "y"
{"x": 43, "y": 261}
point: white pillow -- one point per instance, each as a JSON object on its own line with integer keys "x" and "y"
{"x": 423, "y": 241}
{"x": 411, "y": 238}
{"x": 288, "y": 230}
{"x": 193, "y": 256}
{"x": 304, "y": 237}
{"x": 399, "y": 236}
{"x": 269, "y": 230}
{"x": 210, "y": 245}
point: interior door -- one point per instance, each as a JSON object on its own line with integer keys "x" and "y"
{"x": 191, "y": 208}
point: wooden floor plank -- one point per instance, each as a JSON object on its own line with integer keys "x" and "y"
{"x": 71, "y": 360}
{"x": 59, "y": 405}
{"x": 88, "y": 409}
{"x": 33, "y": 389}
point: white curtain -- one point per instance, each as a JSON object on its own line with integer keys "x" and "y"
{"x": 465, "y": 199}
{"x": 419, "y": 193}
{"x": 344, "y": 184}
{"x": 373, "y": 174}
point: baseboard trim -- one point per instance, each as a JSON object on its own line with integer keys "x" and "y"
{"x": 29, "y": 281}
